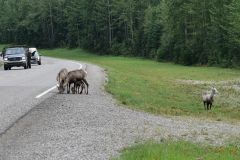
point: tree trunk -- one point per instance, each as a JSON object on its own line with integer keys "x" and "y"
{"x": 109, "y": 25}
{"x": 51, "y": 23}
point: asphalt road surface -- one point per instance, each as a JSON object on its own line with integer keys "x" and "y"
{"x": 83, "y": 127}
{"x": 19, "y": 88}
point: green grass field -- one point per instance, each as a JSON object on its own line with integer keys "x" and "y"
{"x": 1, "y": 47}
{"x": 164, "y": 88}
{"x": 179, "y": 151}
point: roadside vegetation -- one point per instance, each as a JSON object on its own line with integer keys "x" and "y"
{"x": 179, "y": 151}
{"x": 164, "y": 88}
{"x": 1, "y": 48}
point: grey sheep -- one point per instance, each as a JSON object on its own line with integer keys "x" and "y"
{"x": 61, "y": 78}
{"x": 75, "y": 76}
{"x": 78, "y": 85}
{"x": 208, "y": 98}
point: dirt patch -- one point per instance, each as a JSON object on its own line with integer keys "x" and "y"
{"x": 229, "y": 84}
{"x": 194, "y": 82}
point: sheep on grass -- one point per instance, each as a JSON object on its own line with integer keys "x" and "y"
{"x": 208, "y": 98}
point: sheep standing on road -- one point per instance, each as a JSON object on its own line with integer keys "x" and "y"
{"x": 61, "y": 78}
{"x": 208, "y": 98}
{"x": 76, "y": 88}
{"x": 80, "y": 84}
{"x": 75, "y": 76}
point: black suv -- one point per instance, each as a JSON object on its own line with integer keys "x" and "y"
{"x": 16, "y": 56}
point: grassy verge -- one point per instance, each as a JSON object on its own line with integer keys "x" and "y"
{"x": 179, "y": 151}
{"x": 164, "y": 88}
{"x": 1, "y": 48}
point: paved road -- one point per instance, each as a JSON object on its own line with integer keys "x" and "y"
{"x": 19, "y": 87}
{"x": 94, "y": 126}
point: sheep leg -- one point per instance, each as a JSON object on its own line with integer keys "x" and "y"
{"x": 204, "y": 103}
{"x": 75, "y": 88}
{"x": 68, "y": 88}
{"x": 83, "y": 88}
{"x": 81, "y": 85}
{"x": 85, "y": 81}
{"x": 79, "y": 89}
{"x": 210, "y": 106}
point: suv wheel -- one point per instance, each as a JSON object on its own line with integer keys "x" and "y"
{"x": 39, "y": 62}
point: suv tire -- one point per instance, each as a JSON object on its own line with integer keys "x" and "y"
{"x": 39, "y": 62}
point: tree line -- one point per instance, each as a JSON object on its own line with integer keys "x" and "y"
{"x": 189, "y": 32}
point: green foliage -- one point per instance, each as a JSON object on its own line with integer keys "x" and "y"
{"x": 184, "y": 31}
{"x": 179, "y": 151}
{"x": 1, "y": 47}
{"x": 200, "y": 32}
{"x": 164, "y": 88}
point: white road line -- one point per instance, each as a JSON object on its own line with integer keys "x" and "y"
{"x": 54, "y": 87}
{"x": 45, "y": 92}
{"x": 80, "y": 65}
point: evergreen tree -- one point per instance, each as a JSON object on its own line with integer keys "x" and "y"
{"x": 184, "y": 31}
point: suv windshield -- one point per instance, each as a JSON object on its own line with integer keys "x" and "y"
{"x": 13, "y": 51}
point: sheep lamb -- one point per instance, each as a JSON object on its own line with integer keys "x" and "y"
{"x": 78, "y": 85}
{"x": 73, "y": 77}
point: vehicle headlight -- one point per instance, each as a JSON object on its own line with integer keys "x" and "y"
{"x": 5, "y": 59}
{"x": 23, "y": 58}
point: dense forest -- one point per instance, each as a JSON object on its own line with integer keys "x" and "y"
{"x": 189, "y": 32}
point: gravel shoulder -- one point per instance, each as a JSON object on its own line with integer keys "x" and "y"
{"x": 94, "y": 126}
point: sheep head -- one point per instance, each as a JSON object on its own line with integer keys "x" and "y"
{"x": 214, "y": 90}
